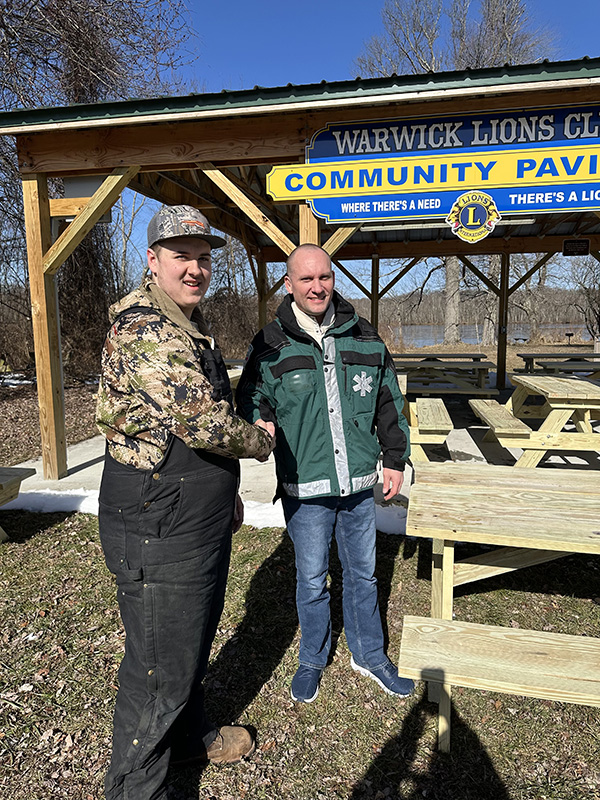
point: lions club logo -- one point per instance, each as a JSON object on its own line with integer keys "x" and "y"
{"x": 473, "y": 216}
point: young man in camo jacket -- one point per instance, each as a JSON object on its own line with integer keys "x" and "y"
{"x": 168, "y": 506}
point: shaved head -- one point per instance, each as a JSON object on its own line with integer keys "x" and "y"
{"x": 303, "y": 251}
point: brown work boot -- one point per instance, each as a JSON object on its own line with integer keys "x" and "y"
{"x": 231, "y": 745}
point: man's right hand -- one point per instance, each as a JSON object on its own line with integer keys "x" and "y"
{"x": 269, "y": 427}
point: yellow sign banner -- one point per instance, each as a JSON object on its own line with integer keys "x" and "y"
{"x": 540, "y": 166}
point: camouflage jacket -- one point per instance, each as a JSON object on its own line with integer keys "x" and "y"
{"x": 161, "y": 376}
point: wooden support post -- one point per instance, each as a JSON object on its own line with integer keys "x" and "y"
{"x": 46, "y": 332}
{"x": 309, "y": 225}
{"x": 503, "y": 321}
{"x": 262, "y": 289}
{"x": 442, "y": 596}
{"x": 375, "y": 290}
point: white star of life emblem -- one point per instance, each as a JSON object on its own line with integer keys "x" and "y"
{"x": 363, "y": 384}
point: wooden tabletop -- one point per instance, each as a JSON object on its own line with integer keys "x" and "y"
{"x": 574, "y": 354}
{"x": 438, "y": 364}
{"x": 8, "y": 475}
{"x": 556, "y": 388}
{"x": 548, "y": 509}
{"x": 445, "y": 356}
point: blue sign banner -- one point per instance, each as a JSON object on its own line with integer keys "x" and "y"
{"x": 533, "y": 161}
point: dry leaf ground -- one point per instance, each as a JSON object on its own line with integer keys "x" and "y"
{"x": 62, "y": 643}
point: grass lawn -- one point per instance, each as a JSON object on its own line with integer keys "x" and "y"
{"x": 62, "y": 643}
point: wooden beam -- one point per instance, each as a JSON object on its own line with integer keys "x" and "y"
{"x": 247, "y": 206}
{"x": 482, "y": 276}
{"x": 503, "y": 321}
{"x": 375, "y": 290}
{"x": 276, "y": 287}
{"x": 308, "y": 225}
{"x": 67, "y": 206}
{"x": 447, "y": 247}
{"x": 538, "y": 265}
{"x": 273, "y": 138}
{"x": 205, "y": 197}
{"x": 262, "y": 288}
{"x": 400, "y": 275}
{"x": 339, "y": 238}
{"x": 46, "y": 332}
{"x": 99, "y": 204}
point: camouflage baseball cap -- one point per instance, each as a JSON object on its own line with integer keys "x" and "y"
{"x": 171, "y": 221}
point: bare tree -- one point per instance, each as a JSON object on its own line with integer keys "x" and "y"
{"x": 431, "y": 35}
{"x": 586, "y": 276}
{"x": 54, "y": 52}
{"x": 452, "y": 309}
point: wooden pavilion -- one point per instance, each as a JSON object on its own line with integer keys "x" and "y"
{"x": 214, "y": 151}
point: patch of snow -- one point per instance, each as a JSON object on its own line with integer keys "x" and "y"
{"x": 389, "y": 519}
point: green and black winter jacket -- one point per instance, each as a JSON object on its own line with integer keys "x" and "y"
{"x": 335, "y": 408}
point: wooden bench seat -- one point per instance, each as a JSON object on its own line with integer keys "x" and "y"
{"x": 10, "y": 483}
{"x": 433, "y": 416}
{"x": 430, "y": 423}
{"x": 549, "y": 666}
{"x": 500, "y": 419}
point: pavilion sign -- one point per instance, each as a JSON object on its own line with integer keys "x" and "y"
{"x": 468, "y": 170}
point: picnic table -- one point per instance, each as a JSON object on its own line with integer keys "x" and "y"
{"x": 439, "y": 356}
{"x": 586, "y": 367}
{"x": 542, "y": 360}
{"x": 10, "y": 483}
{"x": 564, "y": 400}
{"x": 446, "y": 373}
{"x": 529, "y": 511}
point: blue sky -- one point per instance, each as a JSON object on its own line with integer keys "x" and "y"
{"x": 275, "y": 42}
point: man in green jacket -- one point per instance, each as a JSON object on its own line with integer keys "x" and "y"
{"x": 323, "y": 376}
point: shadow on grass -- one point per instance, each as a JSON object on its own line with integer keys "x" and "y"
{"x": 24, "y": 525}
{"x": 400, "y": 772}
{"x": 388, "y": 548}
{"x": 571, "y": 576}
{"x": 248, "y": 659}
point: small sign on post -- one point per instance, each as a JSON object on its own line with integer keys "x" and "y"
{"x": 576, "y": 247}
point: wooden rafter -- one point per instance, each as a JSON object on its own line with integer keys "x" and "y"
{"x": 339, "y": 238}
{"x": 205, "y": 197}
{"x": 400, "y": 275}
{"x": 248, "y": 207}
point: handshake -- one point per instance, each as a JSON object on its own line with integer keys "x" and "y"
{"x": 269, "y": 427}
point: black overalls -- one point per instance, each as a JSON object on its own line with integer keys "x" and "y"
{"x": 166, "y": 535}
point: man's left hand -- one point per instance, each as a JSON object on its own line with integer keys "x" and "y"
{"x": 238, "y": 514}
{"x": 392, "y": 482}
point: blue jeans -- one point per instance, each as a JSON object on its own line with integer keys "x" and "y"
{"x": 311, "y": 524}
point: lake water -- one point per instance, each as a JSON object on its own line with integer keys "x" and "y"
{"x": 427, "y": 335}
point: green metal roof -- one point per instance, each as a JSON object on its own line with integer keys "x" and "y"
{"x": 578, "y": 71}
